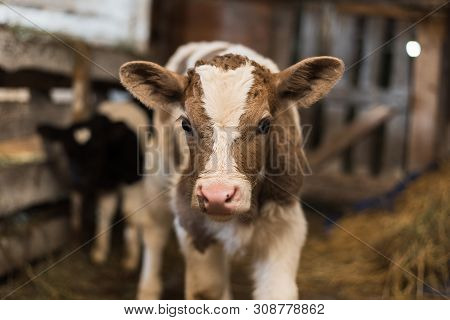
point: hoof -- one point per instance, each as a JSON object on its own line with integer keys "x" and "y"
{"x": 150, "y": 292}
{"x": 148, "y": 295}
{"x": 98, "y": 256}
{"x": 129, "y": 265}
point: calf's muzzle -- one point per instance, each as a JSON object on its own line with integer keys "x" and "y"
{"x": 218, "y": 199}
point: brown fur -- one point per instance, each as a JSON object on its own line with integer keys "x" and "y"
{"x": 193, "y": 221}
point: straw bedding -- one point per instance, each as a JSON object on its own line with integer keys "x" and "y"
{"x": 398, "y": 254}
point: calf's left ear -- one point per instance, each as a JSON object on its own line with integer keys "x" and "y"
{"x": 51, "y": 133}
{"x": 309, "y": 80}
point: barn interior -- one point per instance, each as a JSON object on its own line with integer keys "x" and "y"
{"x": 376, "y": 197}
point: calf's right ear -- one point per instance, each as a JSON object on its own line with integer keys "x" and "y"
{"x": 152, "y": 84}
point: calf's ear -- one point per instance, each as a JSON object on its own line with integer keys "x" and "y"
{"x": 51, "y": 133}
{"x": 151, "y": 83}
{"x": 308, "y": 80}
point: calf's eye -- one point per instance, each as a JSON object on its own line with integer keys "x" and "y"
{"x": 186, "y": 125}
{"x": 264, "y": 126}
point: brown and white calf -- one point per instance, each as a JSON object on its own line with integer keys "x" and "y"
{"x": 237, "y": 192}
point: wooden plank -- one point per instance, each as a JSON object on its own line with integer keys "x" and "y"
{"x": 15, "y": 95}
{"x": 342, "y": 45}
{"x": 82, "y": 106}
{"x": 401, "y": 61}
{"x": 395, "y": 137}
{"x": 25, "y": 241}
{"x": 349, "y": 135}
{"x": 334, "y": 113}
{"x": 443, "y": 147}
{"x": 27, "y": 185}
{"x": 309, "y": 33}
{"x": 21, "y": 151}
{"x": 368, "y": 81}
{"x": 380, "y": 9}
{"x": 20, "y": 119}
{"x": 28, "y": 51}
{"x": 424, "y": 108}
{"x": 343, "y": 37}
{"x": 100, "y": 22}
{"x": 362, "y": 96}
{"x": 344, "y": 190}
{"x": 283, "y": 31}
{"x": 225, "y": 20}
{"x": 373, "y": 39}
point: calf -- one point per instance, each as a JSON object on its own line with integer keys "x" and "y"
{"x": 106, "y": 158}
{"x": 237, "y": 192}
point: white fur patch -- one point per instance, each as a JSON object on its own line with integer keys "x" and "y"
{"x": 281, "y": 232}
{"x": 82, "y": 135}
{"x": 234, "y": 236}
{"x": 221, "y": 159}
{"x": 225, "y": 93}
{"x": 225, "y": 97}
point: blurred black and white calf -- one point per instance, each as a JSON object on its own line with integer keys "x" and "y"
{"x": 105, "y": 156}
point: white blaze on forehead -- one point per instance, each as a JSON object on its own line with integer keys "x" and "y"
{"x": 224, "y": 99}
{"x": 225, "y": 93}
{"x": 82, "y": 135}
{"x": 221, "y": 160}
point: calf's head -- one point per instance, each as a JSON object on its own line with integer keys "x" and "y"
{"x": 230, "y": 104}
{"x": 100, "y": 153}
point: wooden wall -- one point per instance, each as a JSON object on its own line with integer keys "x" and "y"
{"x": 269, "y": 27}
{"x": 389, "y": 110}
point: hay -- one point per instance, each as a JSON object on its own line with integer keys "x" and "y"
{"x": 415, "y": 236}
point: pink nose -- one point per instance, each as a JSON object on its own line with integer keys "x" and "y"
{"x": 218, "y": 199}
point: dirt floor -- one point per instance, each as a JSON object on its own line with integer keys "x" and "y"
{"x": 75, "y": 277}
{"x": 68, "y": 275}
{"x": 401, "y": 253}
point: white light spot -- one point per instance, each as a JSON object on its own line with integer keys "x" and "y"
{"x": 82, "y": 135}
{"x": 413, "y": 49}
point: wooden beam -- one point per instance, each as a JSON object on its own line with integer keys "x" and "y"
{"x": 26, "y": 240}
{"x": 82, "y": 107}
{"x": 109, "y": 23}
{"x": 344, "y": 190}
{"x": 21, "y": 151}
{"x": 41, "y": 52}
{"x": 348, "y": 94}
{"x": 380, "y": 9}
{"x": 349, "y": 135}
{"x": 26, "y": 179}
{"x": 44, "y": 81}
{"x": 424, "y": 108}
{"x": 23, "y": 186}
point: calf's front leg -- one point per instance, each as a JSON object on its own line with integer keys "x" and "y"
{"x": 132, "y": 247}
{"x": 275, "y": 269}
{"x": 207, "y": 273}
{"x": 155, "y": 238}
{"x": 76, "y": 206}
{"x": 106, "y": 207}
